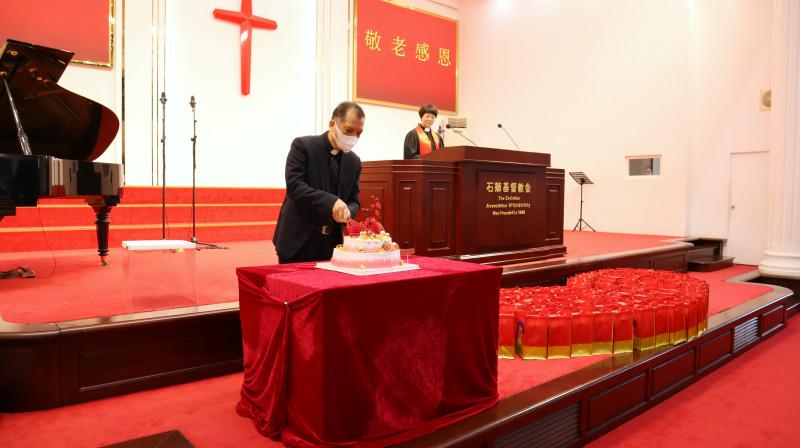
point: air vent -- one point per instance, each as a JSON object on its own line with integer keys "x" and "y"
{"x": 745, "y": 334}
{"x": 560, "y": 429}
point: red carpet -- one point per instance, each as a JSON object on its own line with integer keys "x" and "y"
{"x": 72, "y": 285}
{"x": 204, "y": 410}
{"x": 726, "y": 295}
{"x": 753, "y": 401}
{"x": 586, "y": 244}
{"x": 223, "y": 214}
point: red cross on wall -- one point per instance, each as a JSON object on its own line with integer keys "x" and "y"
{"x": 247, "y": 21}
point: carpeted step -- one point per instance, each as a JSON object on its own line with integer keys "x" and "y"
{"x": 78, "y": 214}
{"x": 222, "y": 214}
{"x": 169, "y": 439}
{"x": 709, "y": 264}
{"x": 701, "y": 252}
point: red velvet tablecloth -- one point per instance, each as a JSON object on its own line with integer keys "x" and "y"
{"x": 339, "y": 360}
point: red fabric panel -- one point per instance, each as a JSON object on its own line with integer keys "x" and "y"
{"x": 80, "y": 26}
{"x": 383, "y": 75}
{"x": 333, "y": 359}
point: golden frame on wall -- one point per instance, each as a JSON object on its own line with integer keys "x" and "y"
{"x": 111, "y": 29}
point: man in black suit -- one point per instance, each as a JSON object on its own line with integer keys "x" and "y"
{"x": 321, "y": 189}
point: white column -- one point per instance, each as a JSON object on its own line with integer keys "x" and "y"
{"x": 333, "y": 59}
{"x": 782, "y": 254}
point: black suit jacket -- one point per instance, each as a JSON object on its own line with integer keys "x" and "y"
{"x": 307, "y": 205}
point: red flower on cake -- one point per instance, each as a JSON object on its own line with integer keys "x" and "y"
{"x": 370, "y": 224}
{"x": 373, "y": 225}
{"x": 354, "y": 228}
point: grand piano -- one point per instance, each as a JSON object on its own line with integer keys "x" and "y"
{"x": 50, "y": 137}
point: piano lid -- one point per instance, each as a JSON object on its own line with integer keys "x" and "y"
{"x": 58, "y": 122}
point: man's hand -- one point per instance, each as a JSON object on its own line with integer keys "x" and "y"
{"x": 340, "y": 211}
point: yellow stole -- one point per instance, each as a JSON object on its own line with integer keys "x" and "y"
{"x": 425, "y": 144}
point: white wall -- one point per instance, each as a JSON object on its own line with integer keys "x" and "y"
{"x": 242, "y": 140}
{"x": 590, "y": 83}
{"x": 730, "y": 61}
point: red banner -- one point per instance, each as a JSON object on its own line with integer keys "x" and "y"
{"x": 404, "y": 56}
{"x": 81, "y": 26}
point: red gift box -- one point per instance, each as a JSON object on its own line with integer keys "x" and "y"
{"x": 644, "y": 333}
{"x": 662, "y": 313}
{"x": 581, "y": 334}
{"x": 602, "y": 332}
{"x": 506, "y": 337}
{"x": 533, "y": 336}
{"x": 701, "y": 293}
{"x": 559, "y": 332}
{"x": 677, "y": 323}
{"x": 623, "y": 331}
{"x": 691, "y": 319}
{"x": 608, "y": 311}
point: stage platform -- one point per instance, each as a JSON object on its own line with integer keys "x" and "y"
{"x": 73, "y": 335}
{"x": 70, "y": 284}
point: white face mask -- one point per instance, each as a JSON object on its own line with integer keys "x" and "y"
{"x": 344, "y": 142}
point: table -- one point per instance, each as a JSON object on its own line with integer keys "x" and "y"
{"x": 334, "y": 359}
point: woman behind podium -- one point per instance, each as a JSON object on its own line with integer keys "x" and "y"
{"x": 422, "y": 139}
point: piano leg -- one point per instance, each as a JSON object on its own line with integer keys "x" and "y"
{"x": 102, "y": 209}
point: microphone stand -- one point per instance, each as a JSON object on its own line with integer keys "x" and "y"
{"x": 22, "y": 137}
{"x": 462, "y": 135}
{"x": 500, "y": 125}
{"x": 163, "y": 101}
{"x": 193, "y": 103}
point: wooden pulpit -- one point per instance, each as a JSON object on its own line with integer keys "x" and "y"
{"x": 486, "y": 205}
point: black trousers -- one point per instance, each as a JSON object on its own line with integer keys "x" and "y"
{"x": 318, "y": 247}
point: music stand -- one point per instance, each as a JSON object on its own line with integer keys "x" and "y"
{"x": 582, "y": 179}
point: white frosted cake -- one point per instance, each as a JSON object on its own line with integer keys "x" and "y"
{"x": 367, "y": 251}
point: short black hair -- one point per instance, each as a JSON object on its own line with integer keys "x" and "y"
{"x": 341, "y": 110}
{"x": 428, "y": 109}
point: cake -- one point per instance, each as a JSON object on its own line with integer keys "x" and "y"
{"x": 366, "y": 246}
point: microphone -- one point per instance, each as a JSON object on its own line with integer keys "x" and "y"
{"x": 500, "y": 125}
{"x": 192, "y": 102}
{"x": 462, "y": 135}
{"x": 163, "y": 99}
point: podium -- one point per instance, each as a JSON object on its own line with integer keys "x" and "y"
{"x": 485, "y": 205}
